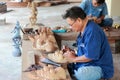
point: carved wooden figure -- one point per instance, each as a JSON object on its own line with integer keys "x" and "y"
{"x": 34, "y": 12}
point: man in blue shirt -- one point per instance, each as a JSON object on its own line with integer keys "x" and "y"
{"x": 93, "y": 60}
{"x": 97, "y": 10}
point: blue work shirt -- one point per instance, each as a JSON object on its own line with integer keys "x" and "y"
{"x": 89, "y": 9}
{"x": 94, "y": 45}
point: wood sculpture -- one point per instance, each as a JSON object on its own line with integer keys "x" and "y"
{"x": 57, "y": 57}
{"x": 44, "y": 40}
{"x": 34, "y": 12}
{"x": 48, "y": 73}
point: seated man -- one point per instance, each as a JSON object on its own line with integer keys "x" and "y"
{"x": 97, "y": 10}
{"x": 93, "y": 59}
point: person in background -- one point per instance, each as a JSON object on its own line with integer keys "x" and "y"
{"x": 93, "y": 59}
{"x": 97, "y": 10}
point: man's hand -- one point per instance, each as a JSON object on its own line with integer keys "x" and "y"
{"x": 95, "y": 19}
{"x": 98, "y": 20}
{"x": 65, "y": 49}
{"x": 89, "y": 17}
{"x": 70, "y": 55}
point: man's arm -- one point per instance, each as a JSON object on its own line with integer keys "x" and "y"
{"x": 82, "y": 59}
{"x": 72, "y": 58}
{"x": 99, "y": 20}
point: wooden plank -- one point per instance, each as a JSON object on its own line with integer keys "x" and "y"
{"x": 3, "y": 8}
{"x": 27, "y": 46}
{"x": 16, "y": 4}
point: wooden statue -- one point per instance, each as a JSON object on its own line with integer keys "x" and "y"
{"x": 34, "y": 12}
{"x": 44, "y": 40}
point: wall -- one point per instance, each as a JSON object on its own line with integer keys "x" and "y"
{"x": 113, "y": 7}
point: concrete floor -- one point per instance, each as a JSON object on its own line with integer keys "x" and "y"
{"x": 10, "y": 66}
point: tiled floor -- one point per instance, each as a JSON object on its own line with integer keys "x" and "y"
{"x": 10, "y": 67}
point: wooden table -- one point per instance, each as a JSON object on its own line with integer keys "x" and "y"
{"x": 30, "y": 56}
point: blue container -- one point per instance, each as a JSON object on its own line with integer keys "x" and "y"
{"x": 59, "y": 31}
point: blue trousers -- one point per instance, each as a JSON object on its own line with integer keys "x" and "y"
{"x": 85, "y": 73}
{"x": 88, "y": 73}
{"x": 107, "y": 22}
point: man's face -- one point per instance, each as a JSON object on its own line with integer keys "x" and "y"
{"x": 95, "y": 4}
{"x": 75, "y": 24}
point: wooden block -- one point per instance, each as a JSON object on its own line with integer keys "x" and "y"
{"x": 3, "y": 8}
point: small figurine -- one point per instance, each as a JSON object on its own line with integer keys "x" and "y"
{"x": 16, "y": 38}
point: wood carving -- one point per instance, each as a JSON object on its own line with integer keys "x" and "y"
{"x": 34, "y": 12}
{"x": 48, "y": 73}
{"x": 57, "y": 57}
{"x": 44, "y": 40}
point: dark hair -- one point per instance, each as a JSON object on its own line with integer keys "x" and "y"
{"x": 100, "y": 1}
{"x": 74, "y": 13}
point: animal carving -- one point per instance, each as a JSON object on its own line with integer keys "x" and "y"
{"x": 57, "y": 57}
{"x": 48, "y": 73}
{"x": 44, "y": 40}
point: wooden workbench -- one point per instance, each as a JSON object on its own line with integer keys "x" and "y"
{"x": 30, "y": 56}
